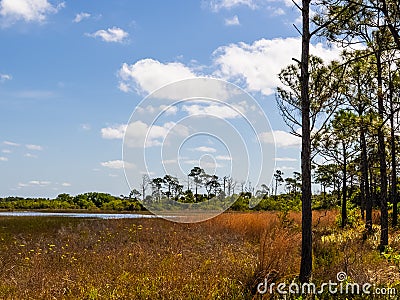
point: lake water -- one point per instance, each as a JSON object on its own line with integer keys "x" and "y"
{"x": 73, "y": 215}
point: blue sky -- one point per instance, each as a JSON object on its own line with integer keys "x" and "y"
{"x": 72, "y": 73}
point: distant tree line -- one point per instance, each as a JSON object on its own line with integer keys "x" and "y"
{"x": 92, "y": 200}
{"x": 199, "y": 187}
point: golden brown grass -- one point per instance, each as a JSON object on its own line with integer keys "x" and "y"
{"x": 123, "y": 259}
{"x": 222, "y": 258}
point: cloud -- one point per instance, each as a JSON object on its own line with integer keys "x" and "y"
{"x": 30, "y": 155}
{"x": 281, "y": 139}
{"x": 117, "y": 164}
{"x": 286, "y": 168}
{"x": 278, "y": 11}
{"x": 2, "y": 158}
{"x": 289, "y": 3}
{"x": 113, "y": 132}
{"x": 34, "y": 147}
{"x": 148, "y": 75}
{"x": 203, "y": 164}
{"x": 81, "y": 16}
{"x": 168, "y": 110}
{"x": 285, "y": 159}
{"x": 139, "y": 134}
{"x": 217, "y": 5}
{"x": 205, "y": 149}
{"x": 85, "y": 126}
{"x": 257, "y": 65}
{"x": 210, "y": 165}
{"x": 27, "y": 10}
{"x": 5, "y": 77}
{"x": 232, "y": 21}
{"x": 147, "y": 173}
{"x": 37, "y": 183}
{"x": 111, "y": 35}
{"x": 218, "y": 111}
{"x": 6, "y": 151}
{"x": 169, "y": 161}
{"x": 66, "y": 184}
{"x": 223, "y": 157}
{"x": 8, "y": 143}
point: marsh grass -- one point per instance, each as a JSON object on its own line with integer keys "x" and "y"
{"x": 63, "y": 258}
{"x": 222, "y": 258}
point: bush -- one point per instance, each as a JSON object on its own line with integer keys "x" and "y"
{"x": 353, "y": 216}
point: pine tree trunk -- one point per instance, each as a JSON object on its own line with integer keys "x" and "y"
{"x": 306, "y": 218}
{"x": 393, "y": 157}
{"x": 365, "y": 180}
{"x": 384, "y": 241}
{"x": 344, "y": 198}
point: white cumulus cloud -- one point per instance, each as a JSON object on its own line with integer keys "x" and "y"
{"x": 232, "y": 21}
{"x": 113, "y": 132}
{"x": 169, "y": 161}
{"x": 34, "y": 147}
{"x": 28, "y": 10}
{"x": 8, "y": 143}
{"x": 34, "y": 183}
{"x": 223, "y": 157}
{"x": 168, "y": 110}
{"x": 81, "y": 16}
{"x": 257, "y": 65}
{"x": 217, "y": 5}
{"x": 140, "y": 134}
{"x": 218, "y": 111}
{"x": 281, "y": 139}
{"x": 278, "y": 11}
{"x": 5, "y": 77}
{"x": 285, "y": 159}
{"x": 148, "y": 75}
{"x": 205, "y": 149}
{"x": 111, "y": 35}
{"x": 2, "y": 158}
{"x": 117, "y": 164}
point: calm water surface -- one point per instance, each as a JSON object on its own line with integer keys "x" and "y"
{"x": 73, "y": 215}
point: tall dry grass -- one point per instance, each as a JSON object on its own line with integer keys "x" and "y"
{"x": 222, "y": 258}
{"x": 124, "y": 259}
